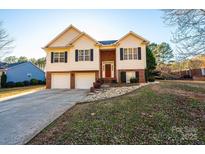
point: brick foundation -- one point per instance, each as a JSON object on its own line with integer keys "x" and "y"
{"x": 72, "y": 80}
{"x": 48, "y": 80}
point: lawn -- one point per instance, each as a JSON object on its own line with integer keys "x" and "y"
{"x": 6, "y": 92}
{"x": 164, "y": 113}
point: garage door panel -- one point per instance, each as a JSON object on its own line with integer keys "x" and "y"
{"x": 60, "y": 81}
{"x": 84, "y": 80}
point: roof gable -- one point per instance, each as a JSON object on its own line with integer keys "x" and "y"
{"x": 80, "y": 36}
{"x": 71, "y": 34}
{"x": 64, "y": 37}
{"x": 133, "y": 34}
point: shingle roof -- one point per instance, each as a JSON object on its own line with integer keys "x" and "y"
{"x": 6, "y": 65}
{"x": 14, "y": 64}
{"x": 2, "y": 64}
{"x": 107, "y": 42}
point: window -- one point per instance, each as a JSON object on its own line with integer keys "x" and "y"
{"x": 29, "y": 75}
{"x": 135, "y": 53}
{"x": 62, "y": 57}
{"x": 203, "y": 71}
{"x": 87, "y": 55}
{"x": 84, "y": 55}
{"x": 80, "y": 55}
{"x": 59, "y": 57}
{"x": 130, "y": 53}
{"x": 125, "y": 54}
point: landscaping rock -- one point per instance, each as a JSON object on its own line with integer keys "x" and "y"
{"x": 110, "y": 92}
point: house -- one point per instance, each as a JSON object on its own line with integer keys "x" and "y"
{"x": 196, "y": 70}
{"x": 74, "y": 59}
{"x": 22, "y": 71}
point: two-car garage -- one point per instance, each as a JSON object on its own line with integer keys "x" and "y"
{"x": 82, "y": 80}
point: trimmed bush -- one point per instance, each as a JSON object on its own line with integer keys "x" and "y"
{"x": 96, "y": 85}
{"x": 26, "y": 83}
{"x": 10, "y": 84}
{"x": 3, "y": 80}
{"x": 40, "y": 82}
{"x": 44, "y": 81}
{"x": 133, "y": 80}
{"x": 92, "y": 89}
{"x": 33, "y": 81}
{"x": 151, "y": 78}
{"x": 19, "y": 84}
{"x": 114, "y": 81}
{"x": 101, "y": 81}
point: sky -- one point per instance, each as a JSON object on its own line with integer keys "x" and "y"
{"x": 33, "y": 29}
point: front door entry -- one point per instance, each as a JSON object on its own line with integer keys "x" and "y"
{"x": 107, "y": 70}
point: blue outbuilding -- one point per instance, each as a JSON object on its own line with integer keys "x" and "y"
{"x": 19, "y": 72}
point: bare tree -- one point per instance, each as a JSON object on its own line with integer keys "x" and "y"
{"x": 5, "y": 42}
{"x": 189, "y": 33}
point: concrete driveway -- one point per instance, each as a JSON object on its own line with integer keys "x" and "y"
{"x": 23, "y": 117}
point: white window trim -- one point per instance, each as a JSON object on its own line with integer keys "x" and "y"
{"x": 84, "y": 56}
{"x": 128, "y": 56}
{"x": 58, "y": 56}
{"x": 112, "y": 68}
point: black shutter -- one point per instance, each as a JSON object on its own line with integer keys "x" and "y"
{"x": 123, "y": 77}
{"x": 121, "y": 53}
{"x": 91, "y": 54}
{"x": 66, "y": 56}
{"x": 76, "y": 55}
{"x": 139, "y": 53}
{"x": 51, "y": 57}
{"x": 137, "y": 76}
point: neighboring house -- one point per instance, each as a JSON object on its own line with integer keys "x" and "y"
{"x": 76, "y": 60}
{"x": 196, "y": 73}
{"x": 19, "y": 72}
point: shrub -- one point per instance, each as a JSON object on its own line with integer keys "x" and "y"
{"x": 40, "y": 82}
{"x": 3, "y": 80}
{"x": 33, "y": 81}
{"x": 133, "y": 80}
{"x": 186, "y": 77}
{"x": 19, "y": 84}
{"x": 44, "y": 81}
{"x": 101, "y": 81}
{"x": 26, "y": 83}
{"x": 10, "y": 84}
{"x": 151, "y": 78}
{"x": 114, "y": 81}
{"x": 92, "y": 89}
{"x": 96, "y": 85}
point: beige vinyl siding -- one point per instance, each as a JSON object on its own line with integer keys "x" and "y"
{"x": 131, "y": 42}
{"x": 82, "y": 43}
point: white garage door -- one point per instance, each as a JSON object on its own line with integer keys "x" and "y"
{"x": 84, "y": 80}
{"x": 60, "y": 81}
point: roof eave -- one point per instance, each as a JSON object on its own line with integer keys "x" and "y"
{"x": 132, "y": 33}
{"x": 69, "y": 27}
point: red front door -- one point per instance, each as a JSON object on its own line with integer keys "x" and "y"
{"x": 107, "y": 70}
